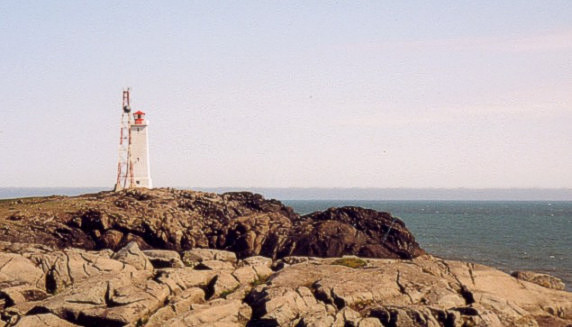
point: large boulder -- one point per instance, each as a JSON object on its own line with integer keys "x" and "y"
{"x": 352, "y": 230}
{"x": 133, "y": 256}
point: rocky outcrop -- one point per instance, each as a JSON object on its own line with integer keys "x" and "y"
{"x": 352, "y": 230}
{"x": 170, "y": 219}
{"x": 74, "y": 287}
{"x": 167, "y": 257}
{"x": 540, "y": 279}
{"x": 425, "y": 291}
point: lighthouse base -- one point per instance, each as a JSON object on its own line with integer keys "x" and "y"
{"x": 138, "y": 183}
{"x": 143, "y": 182}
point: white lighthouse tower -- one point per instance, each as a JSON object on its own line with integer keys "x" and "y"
{"x": 133, "y": 167}
{"x": 140, "y": 151}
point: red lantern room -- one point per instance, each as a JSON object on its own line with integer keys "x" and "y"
{"x": 139, "y": 117}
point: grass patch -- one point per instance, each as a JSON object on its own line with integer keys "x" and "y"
{"x": 360, "y": 306}
{"x": 350, "y": 262}
{"x": 229, "y": 292}
{"x": 260, "y": 281}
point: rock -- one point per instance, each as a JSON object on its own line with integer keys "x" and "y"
{"x": 347, "y": 316}
{"x": 352, "y": 230}
{"x": 216, "y": 313}
{"x": 21, "y": 294}
{"x": 261, "y": 266}
{"x": 224, "y": 284}
{"x": 404, "y": 316}
{"x": 64, "y": 268}
{"x": 543, "y": 280}
{"x": 183, "y": 278}
{"x": 193, "y": 257}
{"x": 290, "y": 260}
{"x": 72, "y": 304}
{"x": 169, "y": 219}
{"x": 132, "y": 255}
{"x": 372, "y": 322}
{"x": 134, "y": 238}
{"x": 244, "y": 263}
{"x": 131, "y": 303}
{"x": 493, "y": 285}
{"x": 282, "y": 306}
{"x": 164, "y": 258}
{"x": 111, "y": 239}
{"x": 17, "y": 270}
{"x": 257, "y": 261}
{"x": 245, "y": 275}
{"x": 94, "y": 289}
{"x": 422, "y": 292}
{"x": 92, "y": 219}
{"x": 183, "y": 302}
{"x": 178, "y": 306}
{"x": 43, "y": 320}
{"x": 316, "y": 319}
{"x": 108, "y": 299}
{"x": 24, "y": 248}
{"x": 214, "y": 265}
{"x": 259, "y": 234}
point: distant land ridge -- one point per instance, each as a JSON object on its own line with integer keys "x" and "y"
{"x": 357, "y": 193}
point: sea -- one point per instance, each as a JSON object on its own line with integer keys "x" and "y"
{"x": 508, "y": 235}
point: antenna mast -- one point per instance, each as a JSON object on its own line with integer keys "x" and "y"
{"x": 125, "y": 164}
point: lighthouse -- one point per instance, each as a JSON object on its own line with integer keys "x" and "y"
{"x": 133, "y": 166}
{"x": 140, "y": 151}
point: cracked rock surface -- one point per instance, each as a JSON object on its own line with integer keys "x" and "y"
{"x": 75, "y": 287}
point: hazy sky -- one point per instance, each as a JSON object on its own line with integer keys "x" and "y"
{"x": 290, "y": 93}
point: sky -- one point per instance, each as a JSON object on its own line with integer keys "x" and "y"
{"x": 388, "y": 94}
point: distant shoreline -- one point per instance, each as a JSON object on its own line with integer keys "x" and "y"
{"x": 315, "y": 193}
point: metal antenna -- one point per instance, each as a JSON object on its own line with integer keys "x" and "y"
{"x": 125, "y": 164}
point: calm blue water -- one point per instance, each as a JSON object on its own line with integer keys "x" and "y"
{"x": 509, "y": 235}
{"x": 506, "y": 235}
